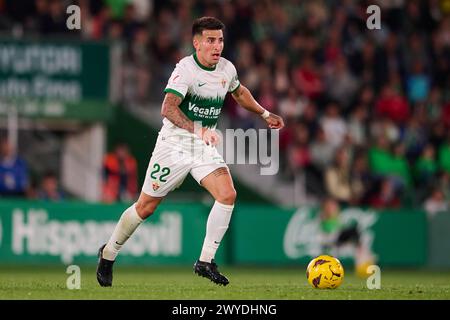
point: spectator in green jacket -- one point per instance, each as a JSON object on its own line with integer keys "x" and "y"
{"x": 444, "y": 155}
{"x": 380, "y": 157}
{"x": 426, "y": 167}
{"x": 400, "y": 166}
{"x": 384, "y": 163}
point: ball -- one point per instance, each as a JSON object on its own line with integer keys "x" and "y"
{"x": 361, "y": 269}
{"x": 325, "y": 272}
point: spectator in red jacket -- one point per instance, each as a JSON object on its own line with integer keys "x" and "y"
{"x": 119, "y": 175}
{"x": 446, "y": 115}
{"x": 308, "y": 79}
{"x": 393, "y": 105}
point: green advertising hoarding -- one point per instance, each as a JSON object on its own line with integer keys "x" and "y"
{"x": 263, "y": 235}
{"x": 71, "y": 233}
{"x": 57, "y": 79}
{"x": 439, "y": 240}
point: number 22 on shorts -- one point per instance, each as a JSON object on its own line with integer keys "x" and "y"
{"x": 165, "y": 172}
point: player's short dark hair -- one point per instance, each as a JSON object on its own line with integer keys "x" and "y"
{"x": 206, "y": 23}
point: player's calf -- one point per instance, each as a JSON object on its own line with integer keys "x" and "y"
{"x": 146, "y": 205}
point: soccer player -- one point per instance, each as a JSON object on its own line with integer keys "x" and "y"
{"x": 186, "y": 143}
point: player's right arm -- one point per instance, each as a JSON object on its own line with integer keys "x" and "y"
{"x": 245, "y": 99}
{"x": 170, "y": 109}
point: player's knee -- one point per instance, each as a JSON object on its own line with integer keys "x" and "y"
{"x": 227, "y": 196}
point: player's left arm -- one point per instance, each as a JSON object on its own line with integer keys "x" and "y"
{"x": 244, "y": 98}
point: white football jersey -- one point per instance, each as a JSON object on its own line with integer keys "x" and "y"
{"x": 202, "y": 89}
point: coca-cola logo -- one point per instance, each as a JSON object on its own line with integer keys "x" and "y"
{"x": 303, "y": 236}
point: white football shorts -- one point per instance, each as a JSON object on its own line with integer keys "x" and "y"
{"x": 177, "y": 153}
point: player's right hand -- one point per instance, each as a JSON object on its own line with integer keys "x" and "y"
{"x": 210, "y": 137}
{"x": 274, "y": 121}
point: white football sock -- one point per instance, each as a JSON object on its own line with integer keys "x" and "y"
{"x": 217, "y": 225}
{"x": 127, "y": 224}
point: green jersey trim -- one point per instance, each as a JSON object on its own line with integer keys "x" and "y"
{"x": 175, "y": 92}
{"x": 202, "y": 66}
{"x": 236, "y": 88}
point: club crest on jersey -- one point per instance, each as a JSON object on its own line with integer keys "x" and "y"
{"x": 224, "y": 82}
{"x": 155, "y": 186}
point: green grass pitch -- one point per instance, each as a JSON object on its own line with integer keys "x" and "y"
{"x": 175, "y": 283}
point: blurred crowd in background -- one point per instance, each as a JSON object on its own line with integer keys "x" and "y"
{"x": 367, "y": 111}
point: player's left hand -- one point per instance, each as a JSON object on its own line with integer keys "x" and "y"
{"x": 274, "y": 121}
{"x": 210, "y": 137}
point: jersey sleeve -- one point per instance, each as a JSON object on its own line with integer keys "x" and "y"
{"x": 179, "y": 81}
{"x": 234, "y": 83}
